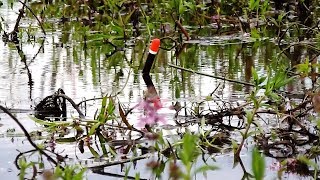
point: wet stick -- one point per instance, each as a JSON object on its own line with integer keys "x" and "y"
{"x": 151, "y": 94}
{"x": 153, "y": 50}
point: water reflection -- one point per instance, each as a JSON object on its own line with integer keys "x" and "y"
{"x": 89, "y": 74}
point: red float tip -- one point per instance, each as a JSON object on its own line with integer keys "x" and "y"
{"x": 154, "y": 46}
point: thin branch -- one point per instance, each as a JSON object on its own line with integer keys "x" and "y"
{"x": 21, "y": 11}
{"x": 86, "y": 100}
{"x": 75, "y": 106}
{"x": 118, "y": 162}
{"x": 115, "y": 175}
{"x": 29, "y": 137}
{"x": 182, "y": 29}
{"x": 34, "y": 16}
{"x": 19, "y": 155}
{"x": 209, "y": 75}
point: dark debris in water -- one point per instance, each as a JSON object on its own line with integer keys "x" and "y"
{"x": 51, "y": 106}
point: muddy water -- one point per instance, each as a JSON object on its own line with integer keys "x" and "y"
{"x": 55, "y": 63}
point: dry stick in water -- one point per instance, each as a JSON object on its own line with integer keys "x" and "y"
{"x": 29, "y": 137}
{"x": 183, "y": 29}
{"x": 209, "y": 75}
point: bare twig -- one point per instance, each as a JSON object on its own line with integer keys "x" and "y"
{"x": 172, "y": 39}
{"x": 182, "y": 29}
{"x": 29, "y": 137}
{"x": 75, "y": 106}
{"x": 86, "y": 100}
{"x": 21, "y": 12}
{"x": 115, "y": 175}
{"x": 19, "y": 155}
{"x": 118, "y": 162}
{"x": 209, "y": 75}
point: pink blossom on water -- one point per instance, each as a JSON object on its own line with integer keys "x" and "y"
{"x": 151, "y": 116}
{"x": 215, "y": 17}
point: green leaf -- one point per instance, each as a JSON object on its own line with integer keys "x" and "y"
{"x": 274, "y": 21}
{"x": 112, "y": 151}
{"x": 255, "y": 33}
{"x": 209, "y": 98}
{"x": 273, "y": 96}
{"x": 111, "y": 107}
{"x": 104, "y": 101}
{"x": 203, "y": 122}
{"x": 126, "y": 172}
{"x": 189, "y": 148}
{"x": 205, "y": 168}
{"x": 242, "y": 134}
{"x": 101, "y": 116}
{"x": 137, "y": 176}
{"x": 128, "y": 16}
{"x": 261, "y": 80}
{"x": 249, "y": 115}
{"x": 307, "y": 161}
{"x": 303, "y": 68}
{"x": 258, "y": 164}
{"x": 93, "y": 128}
{"x": 234, "y": 146}
{"x": 93, "y": 152}
{"x": 251, "y": 133}
{"x": 254, "y": 74}
{"x": 80, "y": 175}
{"x": 102, "y": 144}
{"x": 48, "y": 123}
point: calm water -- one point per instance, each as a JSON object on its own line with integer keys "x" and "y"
{"x": 90, "y": 74}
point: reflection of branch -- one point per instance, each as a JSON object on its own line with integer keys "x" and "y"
{"x": 41, "y": 47}
{"x": 34, "y": 16}
{"x": 12, "y": 36}
{"x": 21, "y": 11}
{"x": 28, "y": 136}
{"x": 184, "y": 45}
{"x": 24, "y": 60}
